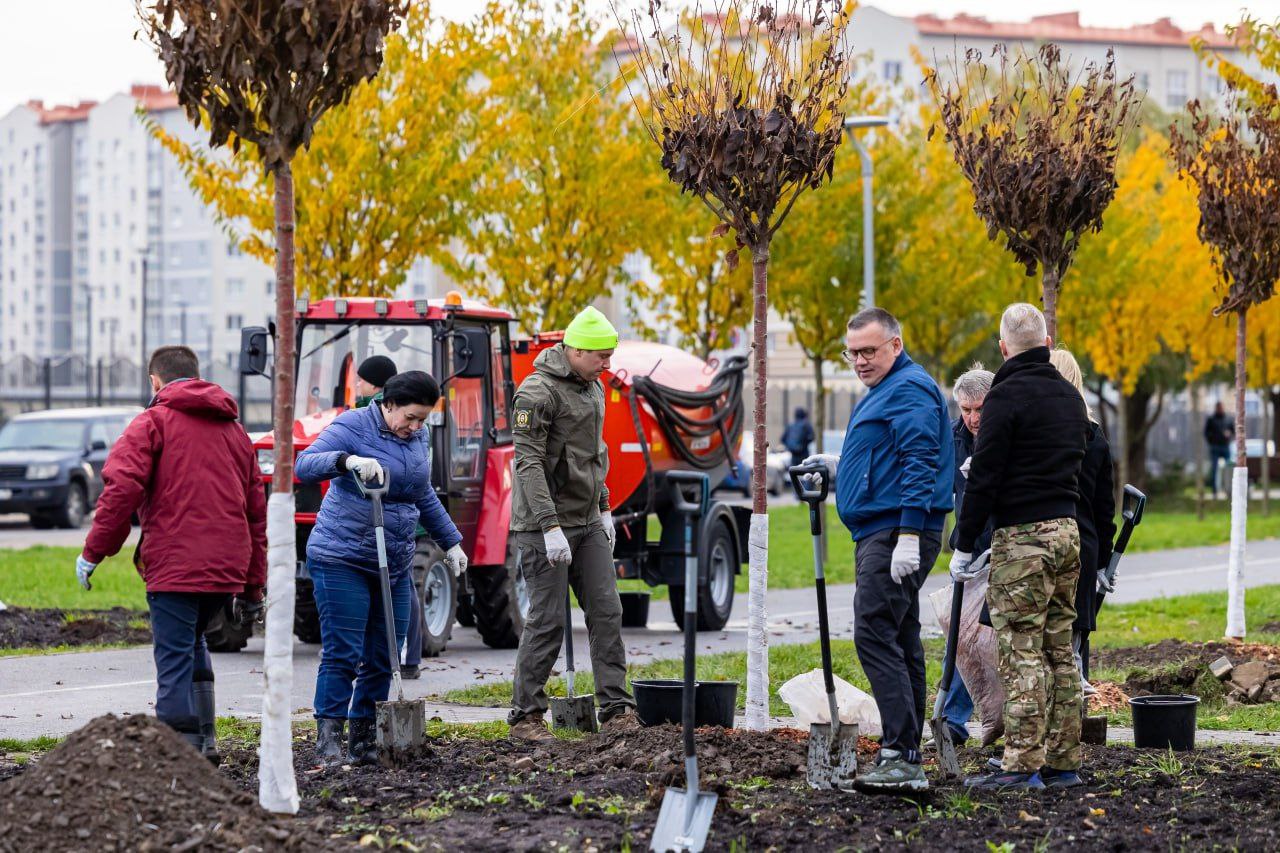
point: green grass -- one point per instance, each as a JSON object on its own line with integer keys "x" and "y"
{"x": 1188, "y": 617}
{"x": 45, "y": 576}
{"x": 44, "y": 743}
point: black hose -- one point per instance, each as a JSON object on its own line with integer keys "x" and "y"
{"x": 723, "y": 396}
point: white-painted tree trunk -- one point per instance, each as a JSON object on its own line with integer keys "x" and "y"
{"x": 757, "y": 706}
{"x": 1235, "y": 561}
{"x": 277, "y": 787}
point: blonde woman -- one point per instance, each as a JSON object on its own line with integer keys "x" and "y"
{"x": 1095, "y": 516}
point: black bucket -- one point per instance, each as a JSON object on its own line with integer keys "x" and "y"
{"x": 658, "y": 701}
{"x": 1164, "y": 722}
{"x": 635, "y": 608}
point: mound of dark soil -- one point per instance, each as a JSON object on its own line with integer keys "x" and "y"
{"x": 22, "y": 627}
{"x": 1176, "y": 666}
{"x": 134, "y": 784}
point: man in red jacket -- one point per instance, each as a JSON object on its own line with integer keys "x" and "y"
{"x": 187, "y": 468}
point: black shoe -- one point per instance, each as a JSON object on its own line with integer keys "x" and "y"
{"x": 1060, "y": 778}
{"x": 959, "y": 736}
{"x": 202, "y": 692}
{"x": 410, "y": 673}
{"x": 1002, "y": 781}
{"x": 329, "y": 746}
{"x": 363, "y": 742}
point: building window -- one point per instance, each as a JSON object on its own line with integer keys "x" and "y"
{"x": 235, "y": 288}
{"x": 234, "y": 322}
{"x": 892, "y": 70}
{"x": 1176, "y": 94}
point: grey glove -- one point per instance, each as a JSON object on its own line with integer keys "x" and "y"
{"x": 830, "y": 461}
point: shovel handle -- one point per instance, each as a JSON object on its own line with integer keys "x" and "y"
{"x": 568, "y": 647}
{"x": 812, "y": 496}
{"x": 953, "y": 636}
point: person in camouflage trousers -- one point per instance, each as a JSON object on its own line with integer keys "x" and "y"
{"x": 1023, "y": 477}
{"x": 1031, "y": 595}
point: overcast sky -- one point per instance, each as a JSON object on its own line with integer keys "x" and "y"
{"x": 67, "y": 50}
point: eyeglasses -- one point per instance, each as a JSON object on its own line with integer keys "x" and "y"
{"x": 865, "y": 353}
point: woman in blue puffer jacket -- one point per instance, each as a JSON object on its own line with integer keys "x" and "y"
{"x": 342, "y": 556}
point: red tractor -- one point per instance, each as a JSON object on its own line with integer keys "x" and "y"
{"x": 666, "y": 410}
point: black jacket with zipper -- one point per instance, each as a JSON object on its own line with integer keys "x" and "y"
{"x": 1026, "y": 463}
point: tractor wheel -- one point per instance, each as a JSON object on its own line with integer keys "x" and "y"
{"x": 437, "y": 590}
{"x": 715, "y": 597}
{"x": 306, "y": 616}
{"x": 500, "y": 602}
{"x": 225, "y": 634}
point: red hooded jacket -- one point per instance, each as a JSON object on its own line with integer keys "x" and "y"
{"x": 188, "y": 469}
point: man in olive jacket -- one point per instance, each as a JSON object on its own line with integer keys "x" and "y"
{"x": 562, "y": 526}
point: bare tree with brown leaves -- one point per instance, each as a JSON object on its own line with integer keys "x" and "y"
{"x": 1038, "y": 144}
{"x": 1234, "y": 162}
{"x": 263, "y": 72}
{"x": 748, "y": 116}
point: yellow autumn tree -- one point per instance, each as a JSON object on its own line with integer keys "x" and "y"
{"x": 385, "y": 179}
{"x": 569, "y": 192}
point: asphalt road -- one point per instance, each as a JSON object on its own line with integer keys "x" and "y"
{"x": 55, "y": 694}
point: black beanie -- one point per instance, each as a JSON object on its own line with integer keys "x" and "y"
{"x": 376, "y": 370}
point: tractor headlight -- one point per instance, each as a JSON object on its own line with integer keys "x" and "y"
{"x": 42, "y": 471}
{"x": 267, "y": 462}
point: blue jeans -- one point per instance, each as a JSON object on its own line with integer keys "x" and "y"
{"x": 178, "y": 620}
{"x": 355, "y": 669}
{"x": 1218, "y": 453}
{"x": 957, "y": 707}
{"x": 413, "y": 641}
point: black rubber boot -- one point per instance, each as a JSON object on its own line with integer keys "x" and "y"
{"x": 330, "y": 749}
{"x": 364, "y": 747}
{"x": 202, "y": 691}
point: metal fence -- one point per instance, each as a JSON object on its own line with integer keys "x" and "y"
{"x": 32, "y": 384}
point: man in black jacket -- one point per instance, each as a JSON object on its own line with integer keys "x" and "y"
{"x": 1023, "y": 478}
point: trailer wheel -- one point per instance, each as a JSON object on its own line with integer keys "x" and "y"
{"x": 306, "y": 616}
{"x": 500, "y": 602}
{"x": 437, "y": 590}
{"x": 225, "y": 634}
{"x": 715, "y": 597}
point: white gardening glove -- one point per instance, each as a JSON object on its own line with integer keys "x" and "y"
{"x": 964, "y": 467}
{"x": 961, "y": 561}
{"x": 606, "y": 521}
{"x": 456, "y": 560}
{"x": 830, "y": 461}
{"x": 365, "y": 468}
{"x": 558, "y": 552}
{"x": 83, "y": 570}
{"x": 906, "y": 557}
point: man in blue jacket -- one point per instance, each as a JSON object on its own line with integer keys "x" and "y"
{"x": 893, "y": 492}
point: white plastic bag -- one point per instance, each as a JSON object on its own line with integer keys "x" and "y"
{"x": 807, "y": 696}
{"x": 975, "y": 654}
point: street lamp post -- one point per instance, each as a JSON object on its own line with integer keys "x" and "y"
{"x": 851, "y": 124}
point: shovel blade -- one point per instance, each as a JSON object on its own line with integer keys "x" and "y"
{"x": 578, "y": 713}
{"x": 401, "y": 725}
{"x": 948, "y": 760}
{"x": 832, "y": 760}
{"x": 671, "y": 831}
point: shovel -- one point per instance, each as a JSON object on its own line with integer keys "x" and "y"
{"x": 833, "y": 747}
{"x": 1131, "y": 511}
{"x": 685, "y": 817}
{"x": 401, "y": 724}
{"x": 948, "y": 761}
{"x": 572, "y": 712}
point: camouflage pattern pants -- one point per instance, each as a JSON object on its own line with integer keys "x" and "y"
{"x": 1034, "y": 569}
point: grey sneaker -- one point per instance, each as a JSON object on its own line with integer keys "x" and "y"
{"x": 891, "y": 774}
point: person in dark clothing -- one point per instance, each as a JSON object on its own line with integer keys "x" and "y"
{"x": 188, "y": 470}
{"x": 371, "y": 376}
{"x": 1024, "y": 480}
{"x": 1219, "y": 432}
{"x": 893, "y": 492}
{"x": 797, "y": 437}
{"x": 1095, "y": 516}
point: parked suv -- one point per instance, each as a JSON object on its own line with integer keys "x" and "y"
{"x": 51, "y": 462}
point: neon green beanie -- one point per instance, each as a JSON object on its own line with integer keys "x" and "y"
{"x": 591, "y": 330}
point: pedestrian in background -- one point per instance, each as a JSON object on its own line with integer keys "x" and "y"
{"x": 1219, "y": 432}
{"x": 187, "y": 469}
{"x": 797, "y": 437}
